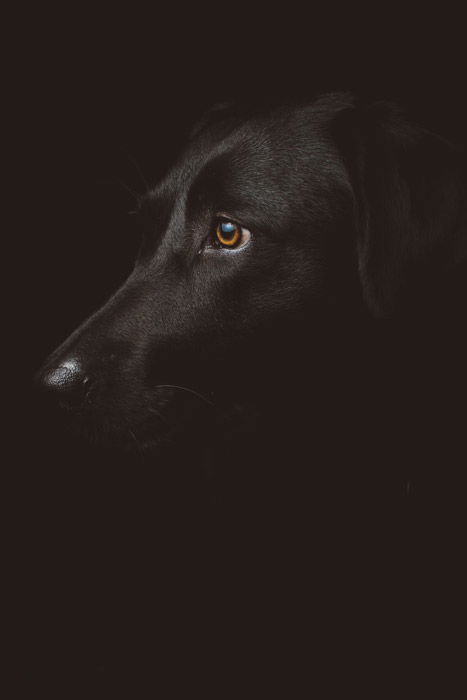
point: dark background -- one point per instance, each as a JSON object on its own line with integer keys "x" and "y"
{"x": 101, "y": 553}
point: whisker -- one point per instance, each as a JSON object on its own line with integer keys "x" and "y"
{"x": 190, "y": 391}
{"x": 116, "y": 181}
{"x": 136, "y": 166}
{"x": 135, "y": 440}
{"x": 158, "y": 415}
{"x": 128, "y": 189}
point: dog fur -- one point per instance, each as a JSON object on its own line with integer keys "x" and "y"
{"x": 286, "y": 347}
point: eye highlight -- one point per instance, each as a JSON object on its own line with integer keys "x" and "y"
{"x": 230, "y": 235}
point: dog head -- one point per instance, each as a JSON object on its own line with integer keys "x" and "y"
{"x": 269, "y": 225}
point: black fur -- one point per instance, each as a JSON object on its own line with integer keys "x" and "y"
{"x": 356, "y": 216}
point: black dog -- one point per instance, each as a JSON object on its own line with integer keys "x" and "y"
{"x": 267, "y": 250}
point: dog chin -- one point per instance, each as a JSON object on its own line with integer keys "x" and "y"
{"x": 153, "y": 430}
{"x": 125, "y": 439}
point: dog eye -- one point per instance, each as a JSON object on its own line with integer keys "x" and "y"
{"x": 231, "y": 235}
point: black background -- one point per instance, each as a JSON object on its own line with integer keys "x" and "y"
{"x": 100, "y": 554}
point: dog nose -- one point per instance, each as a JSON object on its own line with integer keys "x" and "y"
{"x": 67, "y": 379}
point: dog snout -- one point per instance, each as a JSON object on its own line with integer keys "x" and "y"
{"x": 66, "y": 379}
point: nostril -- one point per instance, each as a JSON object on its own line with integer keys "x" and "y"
{"x": 59, "y": 378}
{"x": 87, "y": 386}
{"x": 66, "y": 379}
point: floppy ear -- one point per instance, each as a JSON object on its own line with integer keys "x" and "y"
{"x": 410, "y": 197}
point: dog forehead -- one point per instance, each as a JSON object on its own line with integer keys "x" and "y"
{"x": 263, "y": 138}
{"x": 283, "y": 153}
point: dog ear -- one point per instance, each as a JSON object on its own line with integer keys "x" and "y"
{"x": 409, "y": 191}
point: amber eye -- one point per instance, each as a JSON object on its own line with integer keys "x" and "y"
{"x": 228, "y": 234}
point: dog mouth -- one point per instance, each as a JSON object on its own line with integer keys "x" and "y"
{"x": 165, "y": 415}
